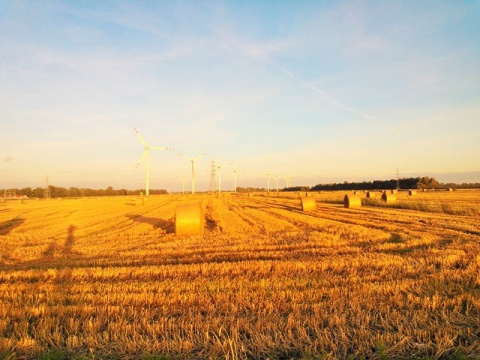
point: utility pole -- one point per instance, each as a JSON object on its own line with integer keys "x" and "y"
{"x": 398, "y": 180}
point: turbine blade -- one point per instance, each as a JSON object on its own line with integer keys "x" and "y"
{"x": 186, "y": 157}
{"x": 199, "y": 157}
{"x": 140, "y": 160}
{"x": 140, "y": 137}
{"x": 158, "y": 148}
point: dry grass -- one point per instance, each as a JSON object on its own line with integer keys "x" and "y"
{"x": 106, "y": 279}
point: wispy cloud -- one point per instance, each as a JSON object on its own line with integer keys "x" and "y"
{"x": 264, "y": 54}
{"x": 8, "y": 158}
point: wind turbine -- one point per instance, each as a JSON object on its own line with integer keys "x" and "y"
{"x": 235, "y": 177}
{"x": 268, "y": 181}
{"x": 276, "y": 179}
{"x": 220, "y": 166}
{"x": 183, "y": 186}
{"x": 192, "y": 160}
{"x": 288, "y": 179}
{"x": 146, "y": 155}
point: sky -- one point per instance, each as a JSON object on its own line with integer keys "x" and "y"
{"x": 321, "y": 91}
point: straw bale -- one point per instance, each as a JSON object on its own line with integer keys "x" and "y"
{"x": 412, "y": 192}
{"x": 189, "y": 219}
{"x": 389, "y": 198}
{"x": 308, "y": 203}
{"x": 370, "y": 195}
{"x": 352, "y": 201}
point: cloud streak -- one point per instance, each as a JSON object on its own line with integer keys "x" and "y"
{"x": 262, "y": 54}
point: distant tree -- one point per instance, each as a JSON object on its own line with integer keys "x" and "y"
{"x": 38, "y": 192}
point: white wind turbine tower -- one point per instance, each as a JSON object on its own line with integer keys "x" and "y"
{"x": 146, "y": 154}
{"x": 192, "y": 160}
{"x": 235, "y": 177}
{"x": 183, "y": 185}
{"x": 268, "y": 181}
{"x": 288, "y": 179}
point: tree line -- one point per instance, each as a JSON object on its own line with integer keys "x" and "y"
{"x": 424, "y": 182}
{"x": 61, "y": 192}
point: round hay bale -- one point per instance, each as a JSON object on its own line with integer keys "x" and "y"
{"x": 352, "y": 201}
{"x": 450, "y": 189}
{"x": 370, "y": 195}
{"x": 308, "y": 203}
{"x": 412, "y": 192}
{"x": 424, "y": 190}
{"x": 388, "y": 198}
{"x": 394, "y": 191}
{"x": 250, "y": 195}
{"x": 189, "y": 219}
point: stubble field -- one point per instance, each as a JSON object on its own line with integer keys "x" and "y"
{"x": 107, "y": 278}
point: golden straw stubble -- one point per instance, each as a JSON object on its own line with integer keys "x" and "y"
{"x": 189, "y": 219}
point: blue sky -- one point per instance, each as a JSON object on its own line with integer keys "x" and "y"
{"x": 320, "y": 91}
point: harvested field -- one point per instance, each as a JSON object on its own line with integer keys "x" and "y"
{"x": 88, "y": 278}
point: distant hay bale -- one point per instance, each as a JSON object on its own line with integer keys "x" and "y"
{"x": 140, "y": 202}
{"x": 424, "y": 190}
{"x": 250, "y": 195}
{"x": 412, "y": 192}
{"x": 394, "y": 191}
{"x": 308, "y": 203}
{"x": 352, "y": 201}
{"x": 189, "y": 219}
{"x": 388, "y": 198}
{"x": 450, "y": 189}
{"x": 370, "y": 195}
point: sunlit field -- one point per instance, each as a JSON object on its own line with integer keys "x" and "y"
{"x": 107, "y": 278}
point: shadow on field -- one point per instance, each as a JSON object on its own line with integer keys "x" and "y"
{"x": 166, "y": 225}
{"x": 66, "y": 250}
{"x": 9, "y": 225}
